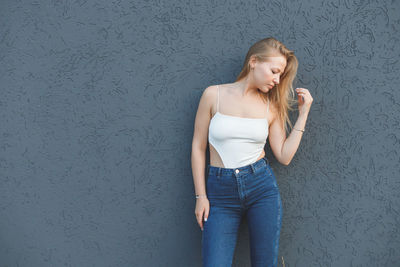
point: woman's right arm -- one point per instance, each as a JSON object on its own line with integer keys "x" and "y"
{"x": 198, "y": 156}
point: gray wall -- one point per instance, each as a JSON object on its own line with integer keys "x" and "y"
{"x": 97, "y": 106}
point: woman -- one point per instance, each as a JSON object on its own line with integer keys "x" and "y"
{"x": 236, "y": 119}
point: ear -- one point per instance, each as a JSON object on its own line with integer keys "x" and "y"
{"x": 252, "y": 61}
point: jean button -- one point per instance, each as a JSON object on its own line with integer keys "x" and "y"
{"x": 237, "y": 171}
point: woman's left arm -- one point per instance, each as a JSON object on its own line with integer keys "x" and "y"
{"x": 285, "y": 148}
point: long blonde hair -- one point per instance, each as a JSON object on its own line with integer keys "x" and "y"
{"x": 283, "y": 95}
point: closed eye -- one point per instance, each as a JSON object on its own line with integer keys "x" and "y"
{"x": 275, "y": 72}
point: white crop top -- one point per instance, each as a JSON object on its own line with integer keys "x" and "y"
{"x": 239, "y": 141}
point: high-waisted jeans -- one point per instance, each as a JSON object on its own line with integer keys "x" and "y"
{"x": 249, "y": 191}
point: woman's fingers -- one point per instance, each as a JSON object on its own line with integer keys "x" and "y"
{"x": 304, "y": 95}
{"x": 301, "y": 90}
{"x": 199, "y": 217}
{"x": 304, "y": 92}
{"x": 202, "y": 211}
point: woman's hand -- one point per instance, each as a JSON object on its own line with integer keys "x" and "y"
{"x": 202, "y": 210}
{"x": 304, "y": 99}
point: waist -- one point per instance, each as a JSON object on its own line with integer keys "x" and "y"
{"x": 244, "y": 169}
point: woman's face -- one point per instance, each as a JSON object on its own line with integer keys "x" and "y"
{"x": 267, "y": 74}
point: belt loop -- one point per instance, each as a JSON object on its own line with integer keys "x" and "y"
{"x": 266, "y": 159}
{"x": 219, "y": 171}
{"x": 252, "y": 168}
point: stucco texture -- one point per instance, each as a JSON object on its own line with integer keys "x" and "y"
{"x": 97, "y": 106}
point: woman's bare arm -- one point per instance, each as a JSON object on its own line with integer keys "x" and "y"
{"x": 200, "y": 138}
{"x": 284, "y": 148}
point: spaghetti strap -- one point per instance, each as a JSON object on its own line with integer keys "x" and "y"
{"x": 218, "y": 99}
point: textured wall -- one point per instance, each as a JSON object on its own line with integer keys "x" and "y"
{"x": 97, "y": 106}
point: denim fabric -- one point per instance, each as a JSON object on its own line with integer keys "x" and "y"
{"x": 249, "y": 191}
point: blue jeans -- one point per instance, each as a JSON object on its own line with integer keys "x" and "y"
{"x": 249, "y": 191}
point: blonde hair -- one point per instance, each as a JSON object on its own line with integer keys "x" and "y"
{"x": 283, "y": 96}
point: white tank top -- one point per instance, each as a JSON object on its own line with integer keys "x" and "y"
{"x": 239, "y": 141}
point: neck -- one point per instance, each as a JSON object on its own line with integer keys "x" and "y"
{"x": 246, "y": 88}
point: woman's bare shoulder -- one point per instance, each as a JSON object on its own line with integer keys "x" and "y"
{"x": 208, "y": 97}
{"x": 210, "y": 92}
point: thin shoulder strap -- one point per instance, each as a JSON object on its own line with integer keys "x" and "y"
{"x": 218, "y": 99}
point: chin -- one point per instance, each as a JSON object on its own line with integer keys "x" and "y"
{"x": 265, "y": 89}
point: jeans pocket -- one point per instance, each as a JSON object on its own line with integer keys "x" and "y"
{"x": 221, "y": 186}
{"x": 270, "y": 171}
{"x": 210, "y": 178}
{"x": 212, "y": 184}
{"x": 271, "y": 175}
